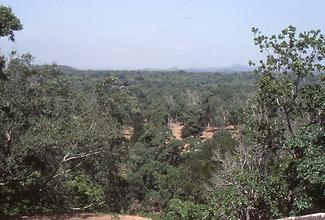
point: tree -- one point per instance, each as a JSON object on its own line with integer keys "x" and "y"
{"x": 8, "y": 23}
{"x": 294, "y": 64}
{"x": 279, "y": 171}
{"x": 290, "y": 99}
{"x": 307, "y": 170}
{"x": 59, "y": 151}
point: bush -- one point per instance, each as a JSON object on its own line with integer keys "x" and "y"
{"x": 178, "y": 209}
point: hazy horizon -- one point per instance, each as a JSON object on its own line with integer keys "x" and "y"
{"x": 141, "y": 34}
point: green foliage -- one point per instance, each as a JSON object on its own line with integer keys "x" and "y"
{"x": 178, "y": 209}
{"x": 150, "y": 164}
{"x": 307, "y": 176}
{"x": 246, "y": 194}
{"x": 88, "y": 192}
{"x": 223, "y": 142}
{"x": 292, "y": 66}
{"x": 59, "y": 151}
{"x": 62, "y": 146}
{"x": 9, "y": 23}
{"x": 289, "y": 99}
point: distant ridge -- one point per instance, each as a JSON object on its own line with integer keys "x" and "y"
{"x": 230, "y": 69}
{"x": 65, "y": 68}
{"x": 236, "y": 68}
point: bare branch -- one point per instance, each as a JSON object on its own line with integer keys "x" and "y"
{"x": 82, "y": 155}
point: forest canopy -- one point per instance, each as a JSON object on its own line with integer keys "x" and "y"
{"x": 170, "y": 144}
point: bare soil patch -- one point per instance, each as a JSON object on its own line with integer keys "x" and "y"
{"x": 176, "y": 129}
{"x": 84, "y": 216}
{"x": 317, "y": 216}
{"x": 208, "y": 133}
{"x": 128, "y": 133}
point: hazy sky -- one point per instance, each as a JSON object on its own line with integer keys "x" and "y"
{"x": 130, "y": 34}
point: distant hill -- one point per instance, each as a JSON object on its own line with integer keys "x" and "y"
{"x": 67, "y": 69}
{"x": 232, "y": 69}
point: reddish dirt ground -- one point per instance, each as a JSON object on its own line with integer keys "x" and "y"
{"x": 176, "y": 129}
{"x": 208, "y": 133}
{"x": 128, "y": 133}
{"x": 317, "y": 216}
{"x": 82, "y": 217}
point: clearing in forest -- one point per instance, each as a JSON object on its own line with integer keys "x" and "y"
{"x": 176, "y": 129}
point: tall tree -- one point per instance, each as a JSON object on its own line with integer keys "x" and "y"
{"x": 280, "y": 170}
{"x": 8, "y": 24}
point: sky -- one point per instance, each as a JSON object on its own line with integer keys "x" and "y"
{"x": 136, "y": 34}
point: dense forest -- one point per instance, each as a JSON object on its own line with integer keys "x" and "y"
{"x": 166, "y": 144}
